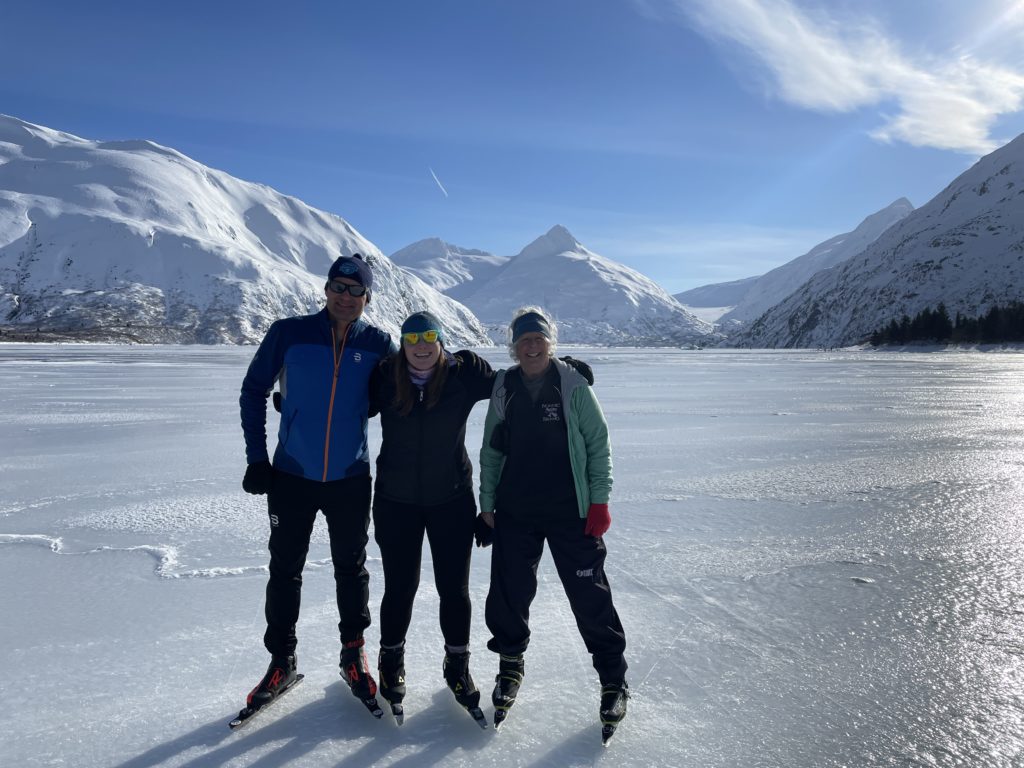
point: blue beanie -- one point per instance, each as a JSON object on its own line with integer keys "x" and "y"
{"x": 418, "y": 322}
{"x": 354, "y": 268}
{"x": 531, "y": 322}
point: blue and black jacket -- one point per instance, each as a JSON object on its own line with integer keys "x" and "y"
{"x": 324, "y": 396}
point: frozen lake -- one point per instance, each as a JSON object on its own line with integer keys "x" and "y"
{"x": 818, "y": 559}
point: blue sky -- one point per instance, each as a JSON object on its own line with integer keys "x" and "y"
{"x": 696, "y": 140}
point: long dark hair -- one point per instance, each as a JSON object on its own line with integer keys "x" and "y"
{"x": 407, "y": 393}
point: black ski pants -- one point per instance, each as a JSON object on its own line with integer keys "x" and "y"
{"x": 579, "y": 560}
{"x": 398, "y": 529}
{"x": 293, "y": 503}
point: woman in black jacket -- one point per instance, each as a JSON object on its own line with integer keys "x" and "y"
{"x": 424, "y": 395}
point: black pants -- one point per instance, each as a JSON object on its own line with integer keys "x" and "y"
{"x": 579, "y": 559}
{"x": 293, "y": 503}
{"x": 398, "y": 529}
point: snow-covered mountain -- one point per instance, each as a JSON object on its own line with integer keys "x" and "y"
{"x": 456, "y": 272}
{"x": 716, "y": 294}
{"x": 594, "y": 299}
{"x": 774, "y": 286}
{"x": 965, "y": 248}
{"x": 753, "y": 296}
{"x": 133, "y": 240}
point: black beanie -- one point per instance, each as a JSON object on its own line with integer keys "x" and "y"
{"x": 531, "y": 322}
{"x": 354, "y": 268}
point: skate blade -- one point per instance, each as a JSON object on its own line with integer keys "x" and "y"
{"x": 607, "y": 731}
{"x": 371, "y": 705}
{"x": 399, "y": 712}
{"x": 249, "y": 712}
{"x": 478, "y": 715}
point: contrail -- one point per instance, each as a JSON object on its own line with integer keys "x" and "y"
{"x": 439, "y": 184}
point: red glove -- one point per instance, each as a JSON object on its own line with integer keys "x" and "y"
{"x": 599, "y": 520}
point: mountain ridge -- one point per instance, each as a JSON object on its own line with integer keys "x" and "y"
{"x": 593, "y": 298}
{"x": 964, "y": 248}
{"x": 749, "y": 298}
{"x": 130, "y": 234}
{"x": 451, "y": 269}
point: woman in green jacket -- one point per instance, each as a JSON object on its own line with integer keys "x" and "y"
{"x": 545, "y": 475}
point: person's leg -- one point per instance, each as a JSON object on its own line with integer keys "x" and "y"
{"x": 580, "y": 562}
{"x": 346, "y": 505}
{"x": 515, "y": 555}
{"x": 292, "y": 508}
{"x": 450, "y": 532}
{"x": 398, "y": 530}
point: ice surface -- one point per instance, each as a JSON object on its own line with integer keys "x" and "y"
{"x": 818, "y": 559}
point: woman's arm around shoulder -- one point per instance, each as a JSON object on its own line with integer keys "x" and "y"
{"x": 378, "y": 385}
{"x": 477, "y": 374}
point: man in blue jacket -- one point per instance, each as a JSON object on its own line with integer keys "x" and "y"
{"x": 321, "y": 363}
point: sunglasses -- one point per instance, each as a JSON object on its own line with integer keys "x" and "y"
{"x": 412, "y": 338}
{"x": 355, "y": 290}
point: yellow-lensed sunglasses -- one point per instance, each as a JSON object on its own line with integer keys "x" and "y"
{"x": 412, "y": 338}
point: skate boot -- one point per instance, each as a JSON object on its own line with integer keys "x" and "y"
{"x": 456, "y": 674}
{"x": 356, "y": 671}
{"x": 510, "y": 676}
{"x": 391, "y": 670}
{"x": 613, "y": 708}
{"x": 281, "y": 674}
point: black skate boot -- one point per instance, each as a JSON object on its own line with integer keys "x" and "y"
{"x": 391, "y": 669}
{"x": 356, "y": 671}
{"x": 280, "y": 678}
{"x": 456, "y": 674}
{"x": 613, "y": 708}
{"x": 510, "y": 676}
{"x": 281, "y": 675}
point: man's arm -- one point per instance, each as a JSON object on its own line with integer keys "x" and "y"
{"x": 259, "y": 380}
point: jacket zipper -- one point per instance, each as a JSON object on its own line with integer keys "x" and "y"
{"x": 419, "y": 443}
{"x": 338, "y": 354}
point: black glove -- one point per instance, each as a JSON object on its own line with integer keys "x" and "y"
{"x": 259, "y": 476}
{"x": 277, "y": 401}
{"x": 584, "y": 370}
{"x": 483, "y": 533}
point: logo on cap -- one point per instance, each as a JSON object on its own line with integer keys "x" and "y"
{"x": 348, "y": 268}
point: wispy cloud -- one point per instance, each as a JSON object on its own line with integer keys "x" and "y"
{"x": 829, "y": 64}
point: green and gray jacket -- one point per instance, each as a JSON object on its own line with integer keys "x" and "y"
{"x": 589, "y": 447}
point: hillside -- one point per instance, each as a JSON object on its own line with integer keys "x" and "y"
{"x": 133, "y": 240}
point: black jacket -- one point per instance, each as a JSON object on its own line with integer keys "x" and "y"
{"x": 537, "y": 479}
{"x": 423, "y": 457}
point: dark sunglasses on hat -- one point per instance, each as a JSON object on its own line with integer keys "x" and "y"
{"x": 355, "y": 290}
